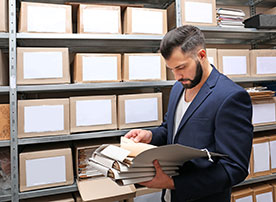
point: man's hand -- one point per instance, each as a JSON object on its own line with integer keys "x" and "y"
{"x": 138, "y": 135}
{"x": 161, "y": 180}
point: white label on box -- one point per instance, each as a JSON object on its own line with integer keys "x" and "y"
{"x": 234, "y": 65}
{"x": 273, "y": 154}
{"x": 42, "y": 65}
{"x": 144, "y": 21}
{"x": 265, "y": 197}
{"x": 198, "y": 12}
{"x": 211, "y": 60}
{"x": 99, "y": 68}
{"x": 45, "y": 171}
{"x": 46, "y": 19}
{"x": 261, "y": 157}
{"x": 245, "y": 199}
{"x": 263, "y": 113}
{"x": 93, "y": 112}
{"x": 141, "y": 110}
{"x": 101, "y": 20}
{"x": 144, "y": 67}
{"x": 266, "y": 65}
{"x": 43, "y": 118}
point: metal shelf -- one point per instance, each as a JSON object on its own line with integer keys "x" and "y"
{"x": 265, "y": 128}
{"x": 5, "y": 198}
{"x": 253, "y": 79}
{"x": 4, "y": 89}
{"x": 257, "y": 179}
{"x": 5, "y": 143}
{"x": 264, "y": 3}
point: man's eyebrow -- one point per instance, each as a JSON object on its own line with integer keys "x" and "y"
{"x": 177, "y": 66}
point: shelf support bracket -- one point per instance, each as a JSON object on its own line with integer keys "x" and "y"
{"x": 253, "y": 4}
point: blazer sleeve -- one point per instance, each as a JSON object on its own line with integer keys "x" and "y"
{"x": 233, "y": 137}
{"x": 159, "y": 135}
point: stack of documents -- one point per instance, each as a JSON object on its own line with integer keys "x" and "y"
{"x": 228, "y": 17}
{"x": 132, "y": 162}
{"x": 259, "y": 93}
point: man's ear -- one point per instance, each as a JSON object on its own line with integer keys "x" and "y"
{"x": 202, "y": 54}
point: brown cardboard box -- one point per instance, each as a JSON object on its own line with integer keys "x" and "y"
{"x": 45, "y": 168}
{"x": 55, "y": 198}
{"x": 45, "y": 18}
{"x": 263, "y": 62}
{"x": 103, "y": 109}
{"x": 139, "y": 110}
{"x": 145, "y": 21}
{"x": 250, "y": 166}
{"x": 99, "y": 19}
{"x": 4, "y": 70}
{"x": 272, "y": 147}
{"x": 261, "y": 157}
{"x": 4, "y": 121}
{"x": 90, "y": 68}
{"x": 43, "y": 117}
{"x": 263, "y": 193}
{"x": 274, "y": 190}
{"x": 234, "y": 63}
{"x": 43, "y": 66}
{"x": 264, "y": 112}
{"x": 242, "y": 194}
{"x": 271, "y": 11}
{"x": 4, "y": 16}
{"x": 143, "y": 67}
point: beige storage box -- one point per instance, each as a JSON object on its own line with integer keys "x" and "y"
{"x": 272, "y": 147}
{"x": 271, "y": 11}
{"x": 99, "y": 19}
{"x": 43, "y": 117}
{"x": 263, "y": 193}
{"x": 4, "y": 69}
{"x": 263, "y": 62}
{"x": 242, "y": 195}
{"x": 234, "y": 62}
{"x": 45, "y": 168}
{"x": 139, "y": 110}
{"x": 43, "y": 66}
{"x": 4, "y": 121}
{"x": 264, "y": 112}
{"x": 55, "y": 198}
{"x": 250, "y": 166}
{"x": 143, "y": 67}
{"x": 92, "y": 113}
{"x": 4, "y": 16}
{"x": 45, "y": 18}
{"x": 90, "y": 68}
{"x": 145, "y": 21}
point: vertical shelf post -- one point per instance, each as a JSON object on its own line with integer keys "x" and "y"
{"x": 178, "y": 13}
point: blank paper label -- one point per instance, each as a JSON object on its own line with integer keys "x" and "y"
{"x": 144, "y": 21}
{"x": 261, "y": 157}
{"x": 99, "y": 68}
{"x": 245, "y": 199}
{"x": 141, "y": 110}
{"x": 234, "y": 65}
{"x": 45, "y": 171}
{"x": 263, "y": 113}
{"x": 100, "y": 20}
{"x": 42, "y": 65}
{"x": 266, "y": 65}
{"x": 211, "y": 60}
{"x": 93, "y": 112}
{"x": 43, "y": 118}
{"x": 144, "y": 67}
{"x": 46, "y": 19}
{"x": 273, "y": 154}
{"x": 266, "y": 197}
{"x": 198, "y": 12}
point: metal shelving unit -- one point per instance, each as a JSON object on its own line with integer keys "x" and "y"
{"x": 257, "y": 180}
{"x": 5, "y": 143}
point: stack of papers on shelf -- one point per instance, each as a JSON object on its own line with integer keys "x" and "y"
{"x": 132, "y": 162}
{"x": 258, "y": 93}
{"x": 228, "y": 17}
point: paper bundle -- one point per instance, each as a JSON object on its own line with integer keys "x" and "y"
{"x": 228, "y": 17}
{"x": 259, "y": 93}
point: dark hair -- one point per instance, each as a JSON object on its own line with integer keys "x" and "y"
{"x": 188, "y": 37}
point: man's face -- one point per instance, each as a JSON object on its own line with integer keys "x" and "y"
{"x": 186, "y": 69}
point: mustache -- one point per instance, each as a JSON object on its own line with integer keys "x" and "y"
{"x": 180, "y": 80}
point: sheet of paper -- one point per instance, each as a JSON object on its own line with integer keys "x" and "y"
{"x": 43, "y": 118}
{"x": 99, "y": 68}
{"x": 245, "y": 199}
{"x": 234, "y": 65}
{"x": 115, "y": 153}
{"x": 45, "y": 171}
{"x": 198, "y": 12}
{"x": 263, "y": 113}
{"x": 46, "y": 19}
{"x": 144, "y": 21}
{"x": 100, "y": 20}
{"x": 141, "y": 110}
{"x": 261, "y": 157}
{"x": 93, "y": 112}
{"x": 144, "y": 67}
{"x": 265, "y": 197}
{"x": 42, "y": 65}
{"x": 211, "y": 60}
{"x": 273, "y": 154}
{"x": 266, "y": 65}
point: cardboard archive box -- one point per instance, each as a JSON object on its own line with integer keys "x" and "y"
{"x": 4, "y": 69}
{"x": 99, "y": 19}
{"x": 4, "y": 16}
{"x": 234, "y": 62}
{"x": 250, "y": 166}
{"x": 45, "y": 168}
{"x": 263, "y": 62}
{"x": 143, "y": 67}
{"x": 145, "y": 21}
{"x": 271, "y": 11}
{"x": 261, "y": 157}
{"x": 263, "y": 193}
{"x": 139, "y": 110}
{"x": 272, "y": 147}
{"x": 43, "y": 117}
{"x": 245, "y": 194}
{"x": 92, "y": 113}
{"x": 4, "y": 121}
{"x": 45, "y": 18}
{"x": 264, "y": 111}
{"x": 90, "y": 68}
{"x": 43, "y": 66}
{"x": 55, "y": 198}
{"x": 274, "y": 190}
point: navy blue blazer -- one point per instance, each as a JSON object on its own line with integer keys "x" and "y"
{"x": 218, "y": 119}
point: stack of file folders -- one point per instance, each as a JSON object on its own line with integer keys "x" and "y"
{"x": 132, "y": 162}
{"x": 228, "y": 17}
{"x": 259, "y": 93}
